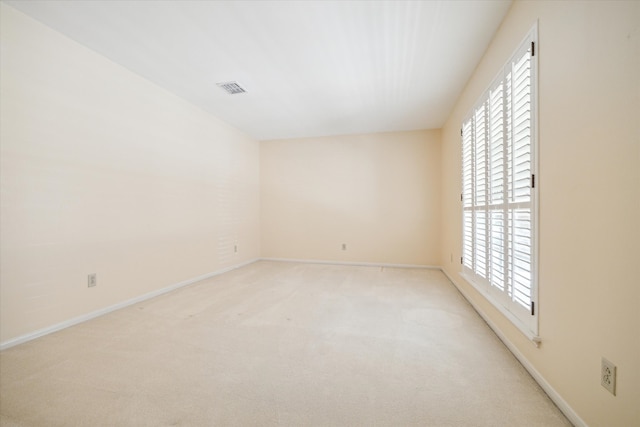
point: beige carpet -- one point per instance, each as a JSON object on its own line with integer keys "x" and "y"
{"x": 279, "y": 344}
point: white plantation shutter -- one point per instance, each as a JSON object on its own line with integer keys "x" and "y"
{"x": 498, "y": 190}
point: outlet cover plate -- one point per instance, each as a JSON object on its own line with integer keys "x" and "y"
{"x": 608, "y": 376}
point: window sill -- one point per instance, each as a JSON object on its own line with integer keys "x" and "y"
{"x": 524, "y": 329}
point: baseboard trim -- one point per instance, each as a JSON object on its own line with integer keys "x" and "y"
{"x": 358, "y": 264}
{"x": 555, "y": 397}
{"x": 80, "y": 319}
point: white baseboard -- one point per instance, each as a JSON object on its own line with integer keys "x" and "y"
{"x": 359, "y": 264}
{"x": 537, "y": 376}
{"x": 76, "y": 320}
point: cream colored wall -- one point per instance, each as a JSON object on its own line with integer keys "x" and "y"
{"x": 589, "y": 114}
{"x": 377, "y": 193}
{"x": 103, "y": 172}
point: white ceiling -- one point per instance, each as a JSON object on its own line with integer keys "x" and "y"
{"x": 310, "y": 68}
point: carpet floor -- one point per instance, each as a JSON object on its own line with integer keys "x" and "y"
{"x": 279, "y": 344}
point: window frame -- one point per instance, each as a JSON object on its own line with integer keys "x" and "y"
{"x": 526, "y": 321}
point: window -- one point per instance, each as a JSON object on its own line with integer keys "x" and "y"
{"x": 499, "y": 189}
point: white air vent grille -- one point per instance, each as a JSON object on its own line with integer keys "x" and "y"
{"x": 231, "y": 88}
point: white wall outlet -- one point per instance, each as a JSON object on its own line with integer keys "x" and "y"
{"x": 608, "y": 376}
{"x": 344, "y": 246}
{"x": 92, "y": 280}
{"x": 235, "y": 249}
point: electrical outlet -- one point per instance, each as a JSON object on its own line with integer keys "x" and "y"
{"x": 344, "y": 246}
{"x": 92, "y": 280}
{"x": 235, "y": 249}
{"x": 608, "y": 376}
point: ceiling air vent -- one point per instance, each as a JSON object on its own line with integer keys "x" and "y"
{"x": 231, "y": 87}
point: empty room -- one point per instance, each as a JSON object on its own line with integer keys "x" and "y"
{"x": 319, "y": 213}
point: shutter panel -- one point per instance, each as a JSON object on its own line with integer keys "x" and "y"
{"x": 521, "y": 113}
{"x": 521, "y": 256}
{"x": 497, "y": 192}
{"x": 521, "y": 231}
{"x": 467, "y": 194}
{"x": 480, "y": 189}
